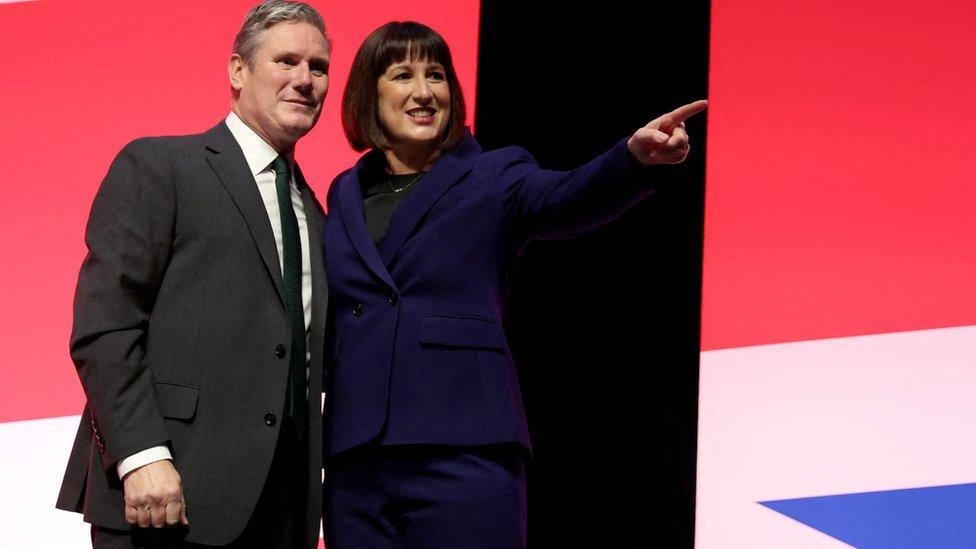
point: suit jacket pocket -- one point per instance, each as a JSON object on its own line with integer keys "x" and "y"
{"x": 177, "y": 401}
{"x": 441, "y": 330}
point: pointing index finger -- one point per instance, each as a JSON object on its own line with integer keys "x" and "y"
{"x": 685, "y": 112}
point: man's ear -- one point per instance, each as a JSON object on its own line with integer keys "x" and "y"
{"x": 236, "y": 69}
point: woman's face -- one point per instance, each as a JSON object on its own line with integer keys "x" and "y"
{"x": 414, "y": 103}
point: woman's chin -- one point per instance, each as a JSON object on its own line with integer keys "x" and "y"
{"x": 418, "y": 140}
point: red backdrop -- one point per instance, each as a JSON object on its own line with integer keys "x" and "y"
{"x": 840, "y": 170}
{"x": 79, "y": 80}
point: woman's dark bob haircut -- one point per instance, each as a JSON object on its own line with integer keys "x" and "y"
{"x": 395, "y": 42}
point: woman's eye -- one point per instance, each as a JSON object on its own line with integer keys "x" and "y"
{"x": 436, "y": 76}
{"x": 401, "y": 76}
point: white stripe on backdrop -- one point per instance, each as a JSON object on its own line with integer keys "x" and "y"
{"x": 31, "y": 467}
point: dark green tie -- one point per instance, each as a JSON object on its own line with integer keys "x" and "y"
{"x": 296, "y": 401}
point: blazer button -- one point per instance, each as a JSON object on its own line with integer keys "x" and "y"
{"x": 392, "y": 300}
{"x": 357, "y": 309}
{"x": 280, "y": 351}
{"x": 270, "y": 419}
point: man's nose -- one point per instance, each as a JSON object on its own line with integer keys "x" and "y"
{"x": 302, "y": 76}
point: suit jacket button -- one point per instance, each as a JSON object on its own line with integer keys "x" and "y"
{"x": 270, "y": 419}
{"x": 280, "y": 351}
{"x": 392, "y": 300}
{"x": 357, "y": 309}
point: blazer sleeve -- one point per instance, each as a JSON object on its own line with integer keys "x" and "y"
{"x": 130, "y": 241}
{"x": 563, "y": 204}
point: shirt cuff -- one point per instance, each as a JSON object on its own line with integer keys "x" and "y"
{"x": 140, "y": 459}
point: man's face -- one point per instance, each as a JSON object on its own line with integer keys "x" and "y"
{"x": 280, "y": 96}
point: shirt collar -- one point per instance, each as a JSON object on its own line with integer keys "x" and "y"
{"x": 258, "y": 153}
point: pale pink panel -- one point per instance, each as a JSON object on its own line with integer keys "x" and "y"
{"x": 826, "y": 417}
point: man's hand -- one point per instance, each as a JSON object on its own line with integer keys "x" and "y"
{"x": 154, "y": 496}
{"x": 664, "y": 140}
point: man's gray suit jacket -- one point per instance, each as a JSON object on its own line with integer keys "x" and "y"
{"x": 180, "y": 335}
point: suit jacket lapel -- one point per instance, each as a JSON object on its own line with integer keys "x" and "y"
{"x": 313, "y": 217}
{"x": 320, "y": 286}
{"x": 448, "y": 170}
{"x": 227, "y": 161}
{"x": 354, "y": 218}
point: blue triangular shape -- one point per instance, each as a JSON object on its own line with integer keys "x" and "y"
{"x": 936, "y": 517}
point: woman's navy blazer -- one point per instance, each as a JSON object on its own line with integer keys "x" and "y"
{"x": 419, "y": 355}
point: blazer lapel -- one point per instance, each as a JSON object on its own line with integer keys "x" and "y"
{"x": 354, "y": 218}
{"x": 448, "y": 170}
{"x": 227, "y": 161}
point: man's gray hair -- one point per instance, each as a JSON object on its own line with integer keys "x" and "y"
{"x": 268, "y": 14}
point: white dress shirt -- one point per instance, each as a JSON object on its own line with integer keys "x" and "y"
{"x": 259, "y": 155}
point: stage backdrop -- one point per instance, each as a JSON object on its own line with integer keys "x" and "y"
{"x": 838, "y": 372}
{"x": 78, "y": 80}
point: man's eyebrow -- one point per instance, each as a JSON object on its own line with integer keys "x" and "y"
{"x": 317, "y": 60}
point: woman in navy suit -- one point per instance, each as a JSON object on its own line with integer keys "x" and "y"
{"x": 426, "y": 434}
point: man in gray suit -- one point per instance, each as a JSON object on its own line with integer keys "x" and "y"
{"x": 199, "y": 318}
